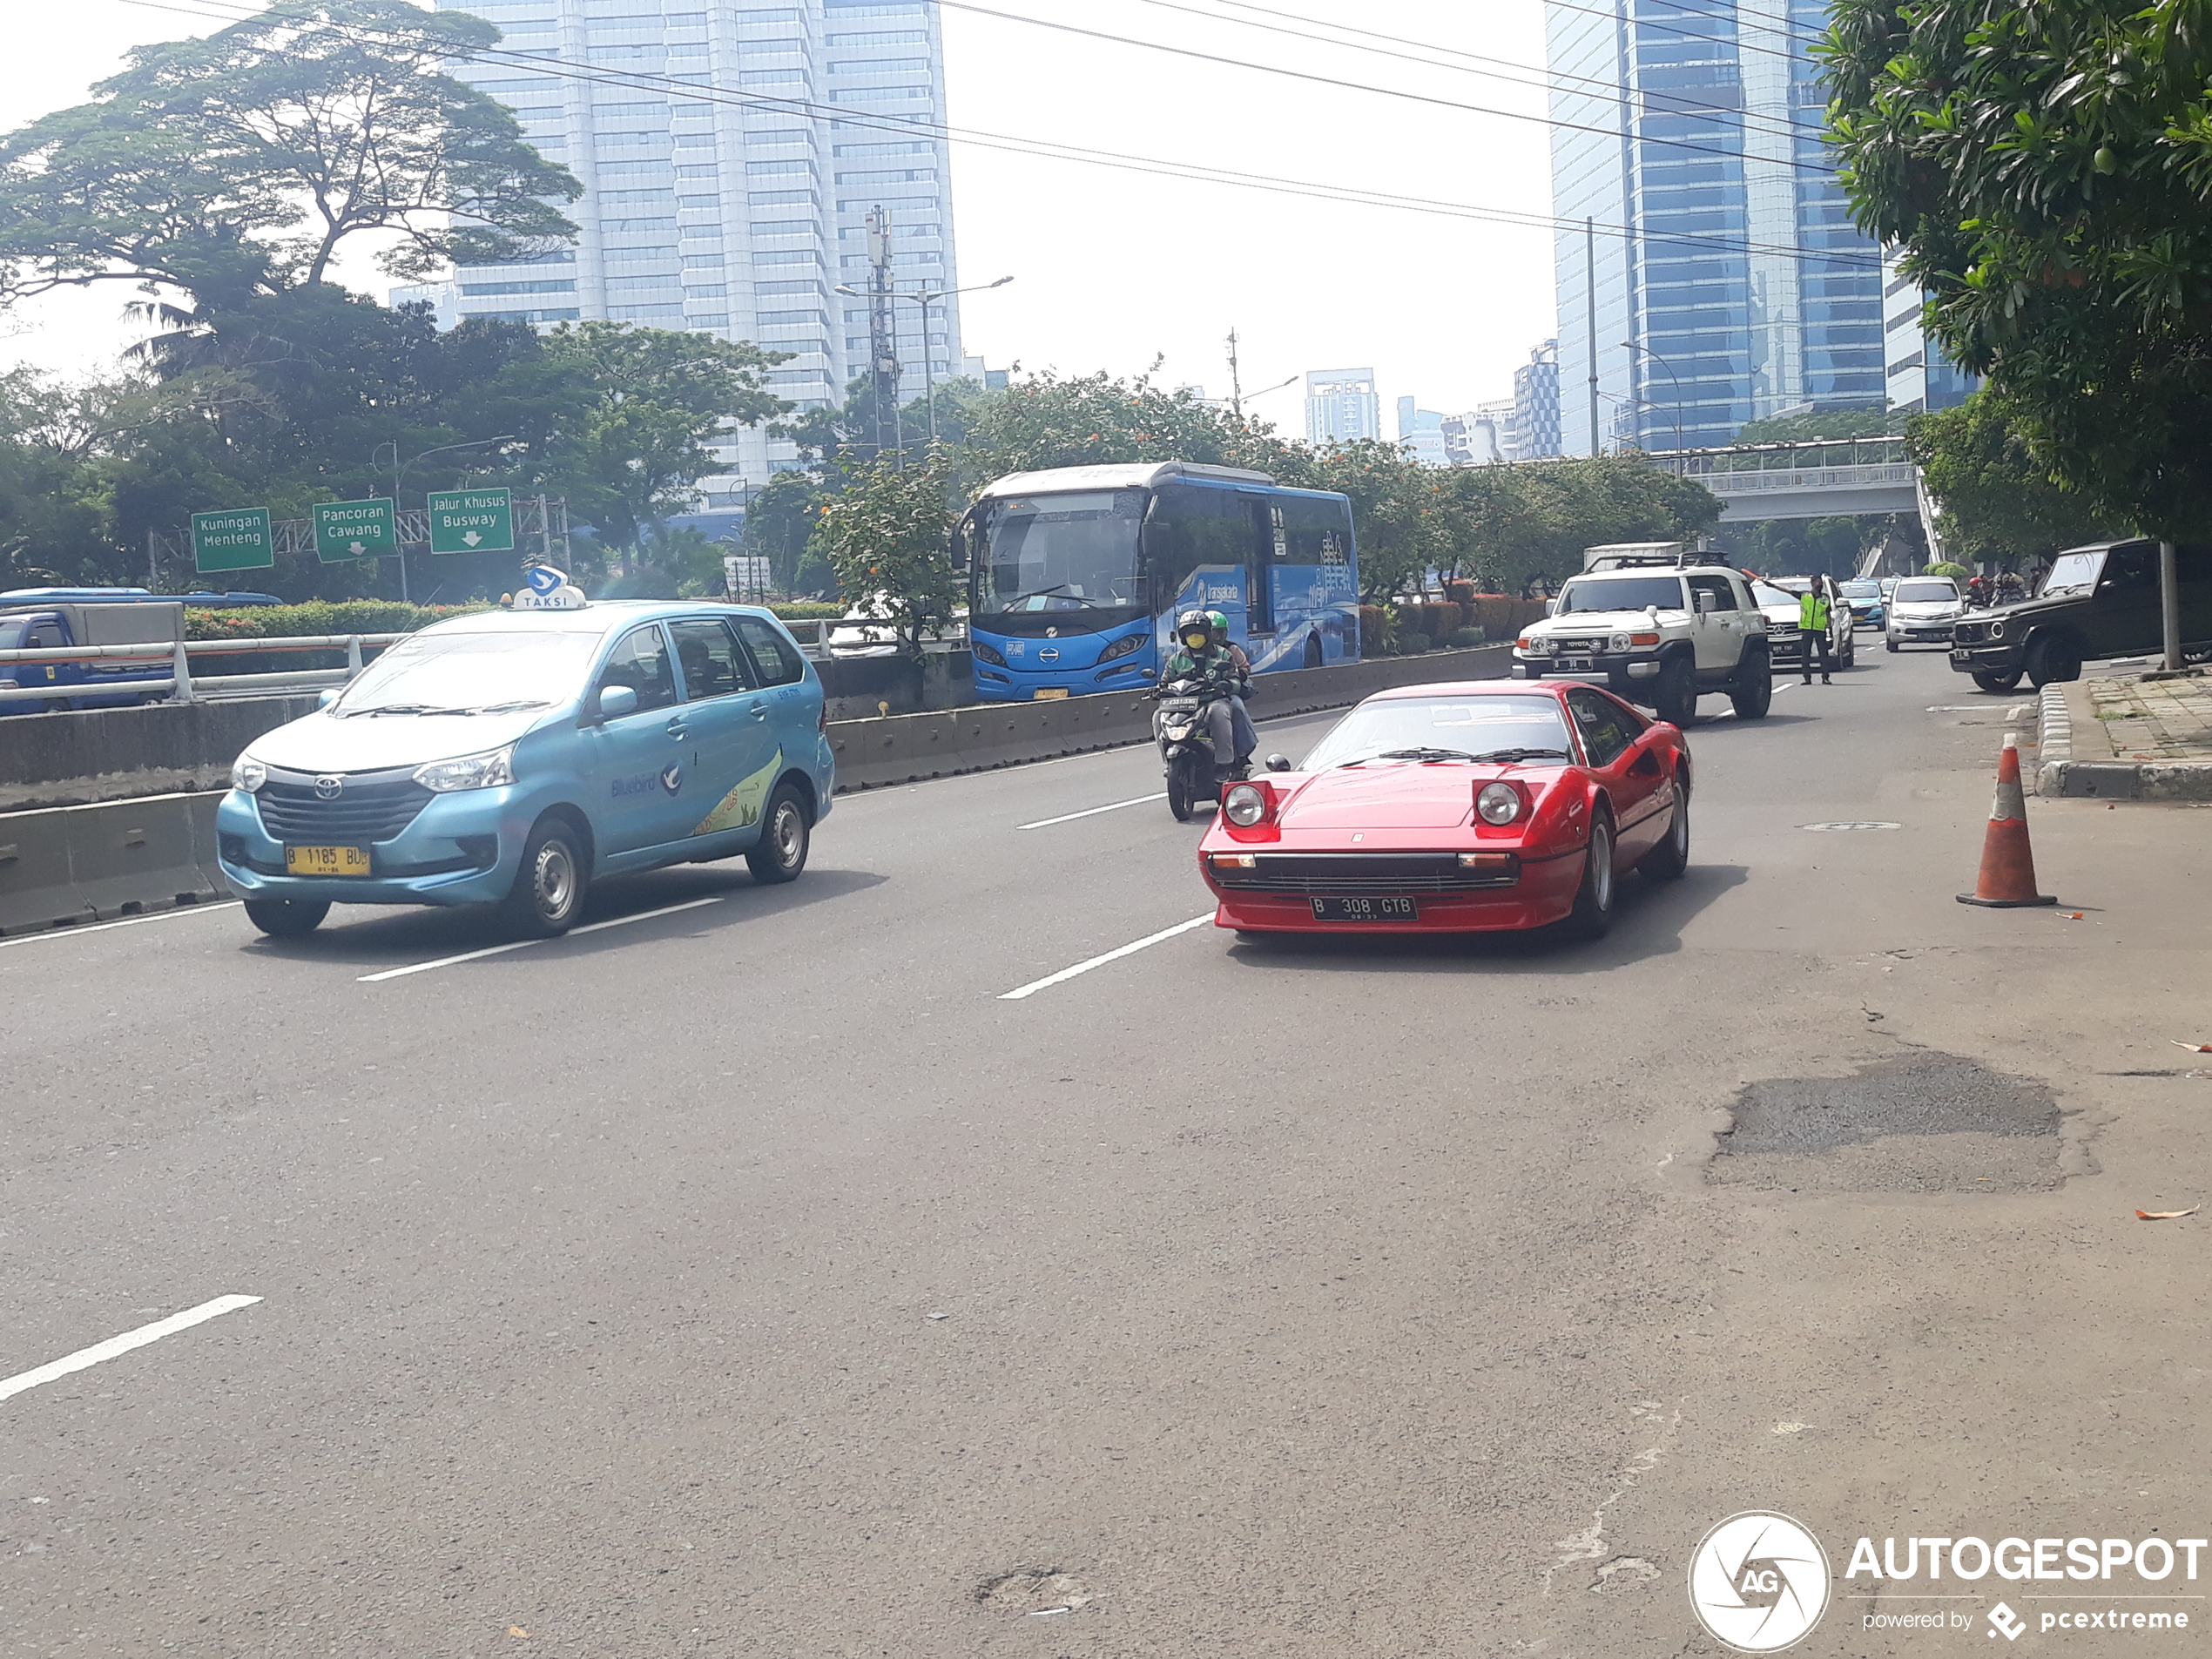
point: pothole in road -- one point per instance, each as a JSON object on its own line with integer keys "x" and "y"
{"x": 1043, "y": 1591}
{"x": 1925, "y": 1122}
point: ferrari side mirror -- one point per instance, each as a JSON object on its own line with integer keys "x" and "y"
{"x": 1278, "y": 762}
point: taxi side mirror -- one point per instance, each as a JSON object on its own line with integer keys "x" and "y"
{"x": 325, "y": 699}
{"x": 615, "y": 701}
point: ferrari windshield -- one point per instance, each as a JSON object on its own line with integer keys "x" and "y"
{"x": 1620, "y": 593}
{"x": 1416, "y": 729}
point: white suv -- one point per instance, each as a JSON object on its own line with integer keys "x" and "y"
{"x": 1656, "y": 634}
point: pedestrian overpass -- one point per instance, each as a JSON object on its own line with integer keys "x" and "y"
{"x": 1842, "y": 475}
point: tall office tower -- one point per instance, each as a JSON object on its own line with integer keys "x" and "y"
{"x": 1341, "y": 405}
{"x": 1534, "y": 433}
{"x": 1422, "y": 430}
{"x": 1919, "y": 375}
{"x": 1741, "y": 288}
{"x": 730, "y": 159}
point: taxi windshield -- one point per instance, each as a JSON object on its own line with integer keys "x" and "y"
{"x": 1862, "y": 589}
{"x": 471, "y": 673}
{"x": 1420, "y": 729}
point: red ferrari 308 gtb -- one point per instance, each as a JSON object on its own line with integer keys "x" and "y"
{"x": 1497, "y": 804}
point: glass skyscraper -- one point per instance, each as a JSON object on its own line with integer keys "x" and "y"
{"x": 740, "y": 213}
{"x": 1741, "y": 290}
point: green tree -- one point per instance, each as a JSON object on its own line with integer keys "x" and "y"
{"x": 886, "y": 539}
{"x": 778, "y": 520}
{"x": 1826, "y": 423}
{"x": 2047, "y": 171}
{"x": 1996, "y": 502}
{"x": 213, "y": 171}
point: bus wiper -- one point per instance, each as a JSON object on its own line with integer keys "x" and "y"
{"x": 1426, "y": 755}
{"x": 1512, "y": 755}
{"x": 1033, "y": 593}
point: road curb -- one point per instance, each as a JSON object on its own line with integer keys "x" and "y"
{"x": 2059, "y": 775}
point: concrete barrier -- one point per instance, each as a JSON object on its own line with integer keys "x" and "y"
{"x": 907, "y": 748}
{"x": 75, "y": 864}
{"x": 37, "y": 888}
{"x": 80, "y": 756}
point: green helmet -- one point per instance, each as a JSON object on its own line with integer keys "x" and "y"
{"x": 1220, "y": 625}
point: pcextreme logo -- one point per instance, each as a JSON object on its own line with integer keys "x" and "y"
{"x": 1759, "y": 1582}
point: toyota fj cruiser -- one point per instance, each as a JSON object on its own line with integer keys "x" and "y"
{"x": 1657, "y": 631}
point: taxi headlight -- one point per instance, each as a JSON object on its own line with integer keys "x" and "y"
{"x": 1245, "y": 806}
{"x": 1497, "y": 803}
{"x": 248, "y": 774}
{"x": 485, "y": 771}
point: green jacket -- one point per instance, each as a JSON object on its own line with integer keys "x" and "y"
{"x": 1215, "y": 671}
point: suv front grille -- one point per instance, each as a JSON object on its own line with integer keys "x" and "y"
{"x": 1356, "y": 873}
{"x": 369, "y": 807}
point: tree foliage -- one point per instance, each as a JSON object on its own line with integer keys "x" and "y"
{"x": 2047, "y": 171}
{"x": 1995, "y": 501}
{"x": 886, "y": 535}
{"x": 1811, "y": 427}
{"x": 213, "y": 171}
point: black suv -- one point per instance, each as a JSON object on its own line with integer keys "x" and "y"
{"x": 2098, "y": 601}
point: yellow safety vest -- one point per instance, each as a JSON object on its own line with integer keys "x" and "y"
{"x": 1812, "y": 613}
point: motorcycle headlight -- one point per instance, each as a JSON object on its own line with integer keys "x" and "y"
{"x": 1121, "y": 647}
{"x": 248, "y": 774}
{"x": 1245, "y": 806}
{"x": 485, "y": 771}
{"x": 1497, "y": 803}
{"x": 987, "y": 653}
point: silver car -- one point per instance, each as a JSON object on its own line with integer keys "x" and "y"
{"x": 1923, "y": 610}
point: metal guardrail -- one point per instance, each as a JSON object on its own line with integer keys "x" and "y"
{"x": 180, "y": 681}
{"x": 1744, "y": 483}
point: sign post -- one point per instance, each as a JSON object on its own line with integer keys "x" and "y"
{"x": 355, "y": 529}
{"x": 236, "y": 540}
{"x": 472, "y": 521}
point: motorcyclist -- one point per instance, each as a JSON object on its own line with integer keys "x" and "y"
{"x": 1198, "y": 659}
{"x": 1246, "y": 740}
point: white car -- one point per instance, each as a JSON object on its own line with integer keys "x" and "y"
{"x": 1923, "y": 611}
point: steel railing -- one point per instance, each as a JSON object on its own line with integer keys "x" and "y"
{"x": 181, "y": 682}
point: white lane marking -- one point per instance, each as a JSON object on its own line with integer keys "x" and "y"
{"x": 85, "y": 1358}
{"x": 1067, "y": 973}
{"x": 1092, "y": 811}
{"x": 127, "y": 921}
{"x": 1786, "y": 684}
{"x": 524, "y": 944}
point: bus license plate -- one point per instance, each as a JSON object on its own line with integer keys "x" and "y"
{"x": 325, "y": 860}
{"x": 1366, "y": 909}
{"x": 1048, "y": 693}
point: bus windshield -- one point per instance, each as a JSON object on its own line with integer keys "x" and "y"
{"x": 1073, "y": 551}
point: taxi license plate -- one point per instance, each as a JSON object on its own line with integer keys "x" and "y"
{"x": 325, "y": 860}
{"x": 1365, "y": 908}
{"x": 1047, "y": 694}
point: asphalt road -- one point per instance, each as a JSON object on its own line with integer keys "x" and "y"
{"x": 755, "y": 1277}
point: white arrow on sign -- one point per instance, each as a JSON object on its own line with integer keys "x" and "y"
{"x": 357, "y": 550}
{"x": 471, "y": 539}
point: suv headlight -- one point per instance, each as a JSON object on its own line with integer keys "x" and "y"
{"x": 248, "y": 774}
{"x": 1996, "y": 631}
{"x": 485, "y": 771}
{"x": 1536, "y": 644}
{"x": 1620, "y": 642}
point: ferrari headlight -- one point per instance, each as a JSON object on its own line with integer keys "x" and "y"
{"x": 1245, "y": 806}
{"x": 486, "y": 770}
{"x": 1497, "y": 803}
{"x": 248, "y": 774}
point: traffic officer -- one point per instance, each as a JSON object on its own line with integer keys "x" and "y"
{"x": 1812, "y": 627}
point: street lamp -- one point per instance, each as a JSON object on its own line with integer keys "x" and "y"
{"x": 399, "y": 468}
{"x": 1630, "y": 345}
{"x": 1244, "y": 398}
{"x": 926, "y": 298}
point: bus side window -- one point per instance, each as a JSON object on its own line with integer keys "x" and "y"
{"x": 1264, "y": 551}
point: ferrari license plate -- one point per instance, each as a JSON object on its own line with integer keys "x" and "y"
{"x": 1365, "y": 909}
{"x": 1048, "y": 693}
{"x": 325, "y": 860}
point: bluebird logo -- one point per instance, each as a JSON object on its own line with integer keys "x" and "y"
{"x": 1759, "y": 1582}
{"x": 544, "y": 578}
{"x": 672, "y": 779}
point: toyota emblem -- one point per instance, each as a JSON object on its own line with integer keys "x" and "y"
{"x": 327, "y": 788}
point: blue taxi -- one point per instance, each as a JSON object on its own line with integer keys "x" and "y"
{"x": 514, "y": 756}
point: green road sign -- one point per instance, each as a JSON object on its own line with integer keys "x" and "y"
{"x": 472, "y": 521}
{"x": 354, "y": 529}
{"x": 237, "y": 540}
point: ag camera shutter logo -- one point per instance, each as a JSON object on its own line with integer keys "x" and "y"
{"x": 1759, "y": 1582}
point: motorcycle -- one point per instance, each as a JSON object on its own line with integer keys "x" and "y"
{"x": 1178, "y": 724}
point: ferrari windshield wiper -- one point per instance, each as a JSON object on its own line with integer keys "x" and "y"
{"x": 1511, "y": 755}
{"x": 1425, "y": 755}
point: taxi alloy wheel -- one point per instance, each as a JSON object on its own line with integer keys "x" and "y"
{"x": 548, "y": 894}
{"x": 784, "y": 838}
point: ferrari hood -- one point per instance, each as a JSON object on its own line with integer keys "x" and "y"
{"x": 1386, "y": 795}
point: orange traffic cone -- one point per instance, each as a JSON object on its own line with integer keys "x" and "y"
{"x": 2008, "y": 877}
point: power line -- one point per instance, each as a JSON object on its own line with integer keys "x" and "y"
{"x": 1360, "y": 86}
{"x": 556, "y": 69}
{"x": 1545, "y": 79}
{"x": 1653, "y": 22}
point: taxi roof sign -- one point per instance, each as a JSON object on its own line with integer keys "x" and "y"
{"x": 546, "y": 588}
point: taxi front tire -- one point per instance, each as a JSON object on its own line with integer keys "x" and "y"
{"x": 548, "y": 894}
{"x": 780, "y": 854}
{"x": 286, "y": 918}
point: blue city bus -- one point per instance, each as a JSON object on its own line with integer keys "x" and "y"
{"x": 1075, "y": 576}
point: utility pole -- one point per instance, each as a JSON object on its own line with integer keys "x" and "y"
{"x": 1589, "y": 296}
{"x": 883, "y": 332}
{"x": 1236, "y": 384}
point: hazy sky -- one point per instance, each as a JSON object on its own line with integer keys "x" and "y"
{"x": 1115, "y": 267}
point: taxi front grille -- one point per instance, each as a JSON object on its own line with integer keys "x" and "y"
{"x": 1358, "y": 872}
{"x": 364, "y": 811}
